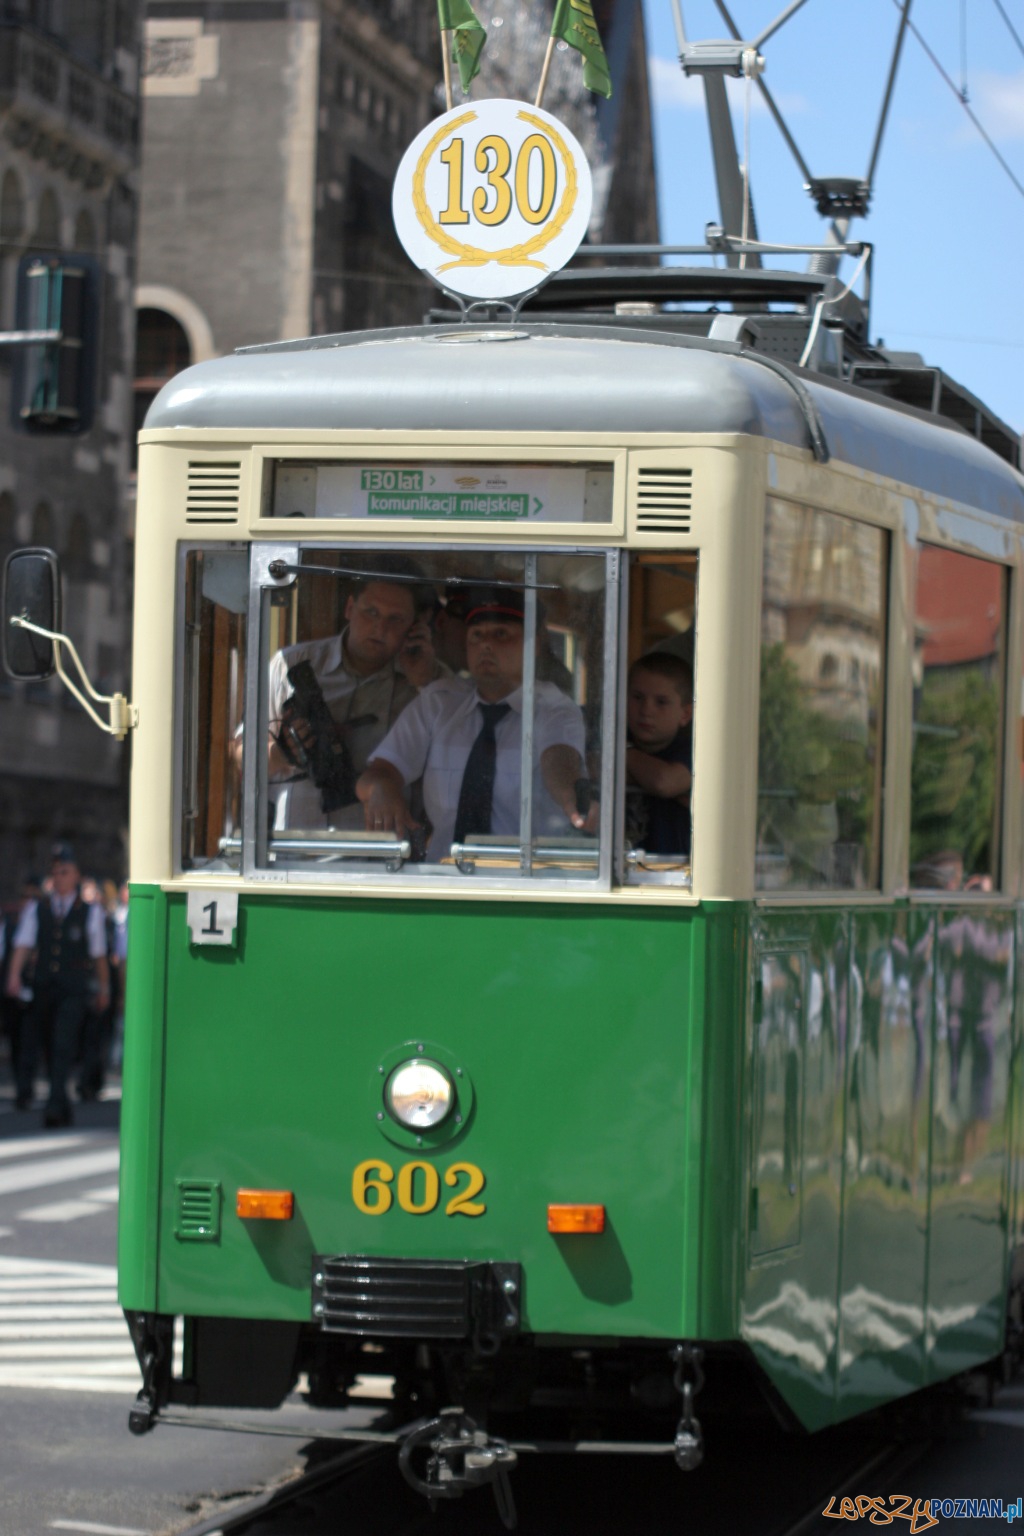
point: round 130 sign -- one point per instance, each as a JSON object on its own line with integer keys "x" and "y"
{"x": 491, "y": 198}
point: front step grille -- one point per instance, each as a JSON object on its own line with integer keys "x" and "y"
{"x": 416, "y": 1298}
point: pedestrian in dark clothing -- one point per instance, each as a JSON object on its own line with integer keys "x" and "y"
{"x": 14, "y": 1009}
{"x": 67, "y": 937}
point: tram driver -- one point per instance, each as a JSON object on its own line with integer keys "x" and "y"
{"x": 333, "y": 700}
{"x": 463, "y": 737}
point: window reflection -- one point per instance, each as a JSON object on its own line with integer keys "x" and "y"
{"x": 822, "y": 690}
{"x": 960, "y": 609}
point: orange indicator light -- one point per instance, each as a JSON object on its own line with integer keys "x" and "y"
{"x": 575, "y": 1218}
{"x": 265, "y": 1204}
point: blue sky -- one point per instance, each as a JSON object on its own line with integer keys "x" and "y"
{"x": 946, "y": 221}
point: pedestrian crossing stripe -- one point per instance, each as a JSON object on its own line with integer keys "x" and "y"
{"x": 62, "y": 1330}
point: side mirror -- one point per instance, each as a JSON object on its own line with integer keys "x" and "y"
{"x": 32, "y": 592}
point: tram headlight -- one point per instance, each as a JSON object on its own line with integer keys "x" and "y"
{"x": 419, "y": 1094}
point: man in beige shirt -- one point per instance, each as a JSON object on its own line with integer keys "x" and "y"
{"x": 362, "y": 688}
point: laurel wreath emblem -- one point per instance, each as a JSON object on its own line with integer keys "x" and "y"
{"x": 513, "y": 255}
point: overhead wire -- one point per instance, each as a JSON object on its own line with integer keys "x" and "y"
{"x": 965, "y": 104}
{"x": 1009, "y": 24}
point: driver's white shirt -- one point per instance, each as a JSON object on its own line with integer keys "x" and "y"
{"x": 432, "y": 738}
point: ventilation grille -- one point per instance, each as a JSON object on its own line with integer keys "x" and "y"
{"x": 198, "y": 1212}
{"x": 664, "y": 500}
{"x": 214, "y": 492}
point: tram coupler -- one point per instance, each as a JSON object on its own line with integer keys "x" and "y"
{"x": 142, "y": 1413}
{"x": 152, "y": 1337}
{"x": 688, "y": 1445}
{"x": 460, "y": 1457}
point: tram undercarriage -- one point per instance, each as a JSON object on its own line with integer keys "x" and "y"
{"x": 578, "y": 1395}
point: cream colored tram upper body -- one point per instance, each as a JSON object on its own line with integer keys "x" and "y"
{"x": 697, "y": 435}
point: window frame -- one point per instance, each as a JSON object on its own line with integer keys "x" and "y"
{"x": 419, "y": 878}
{"x": 185, "y": 773}
{"x": 877, "y": 888}
{"x": 1001, "y": 861}
{"x": 630, "y": 875}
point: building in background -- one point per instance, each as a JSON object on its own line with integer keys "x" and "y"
{"x": 68, "y": 196}
{"x": 272, "y": 132}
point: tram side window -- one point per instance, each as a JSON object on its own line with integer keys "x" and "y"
{"x": 659, "y": 718}
{"x": 822, "y": 701}
{"x": 216, "y": 599}
{"x": 398, "y": 698}
{"x": 959, "y": 670}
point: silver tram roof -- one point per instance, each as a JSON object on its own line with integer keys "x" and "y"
{"x": 554, "y": 377}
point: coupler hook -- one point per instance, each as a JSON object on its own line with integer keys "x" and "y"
{"x": 688, "y": 1446}
{"x": 460, "y": 1457}
{"x": 142, "y": 1414}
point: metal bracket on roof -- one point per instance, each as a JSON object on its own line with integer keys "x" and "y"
{"x": 476, "y": 310}
{"x": 721, "y": 56}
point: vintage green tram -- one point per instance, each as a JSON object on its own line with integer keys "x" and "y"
{"x": 762, "y": 1096}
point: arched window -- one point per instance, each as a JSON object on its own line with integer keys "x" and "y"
{"x": 47, "y": 231}
{"x": 78, "y": 554}
{"x": 42, "y": 526}
{"x": 85, "y": 232}
{"x": 161, "y": 346}
{"x": 161, "y": 350}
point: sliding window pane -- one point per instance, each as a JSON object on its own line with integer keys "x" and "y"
{"x": 822, "y": 695}
{"x": 959, "y": 662}
{"x": 216, "y": 599}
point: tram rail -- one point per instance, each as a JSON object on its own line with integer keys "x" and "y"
{"x": 886, "y": 1467}
{"x": 876, "y": 1472}
{"x": 278, "y": 1498}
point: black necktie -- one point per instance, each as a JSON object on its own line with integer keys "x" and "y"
{"x": 477, "y": 793}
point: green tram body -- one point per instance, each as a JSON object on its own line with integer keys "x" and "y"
{"x": 783, "y": 1185}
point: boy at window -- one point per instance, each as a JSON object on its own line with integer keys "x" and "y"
{"x": 659, "y": 752}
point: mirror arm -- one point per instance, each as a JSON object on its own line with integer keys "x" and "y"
{"x": 123, "y": 716}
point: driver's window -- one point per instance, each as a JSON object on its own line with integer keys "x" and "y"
{"x": 404, "y": 694}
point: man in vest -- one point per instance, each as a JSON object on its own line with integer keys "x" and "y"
{"x": 67, "y": 937}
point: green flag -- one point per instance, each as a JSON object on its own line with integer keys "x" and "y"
{"x": 575, "y": 24}
{"x": 468, "y": 36}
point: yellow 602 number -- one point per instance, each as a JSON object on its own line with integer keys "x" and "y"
{"x": 418, "y": 1188}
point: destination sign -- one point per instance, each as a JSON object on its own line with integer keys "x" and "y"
{"x": 488, "y": 493}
